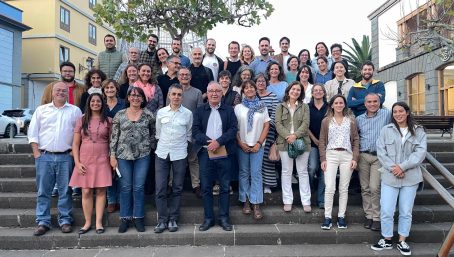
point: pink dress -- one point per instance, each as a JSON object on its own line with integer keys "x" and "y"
{"x": 94, "y": 154}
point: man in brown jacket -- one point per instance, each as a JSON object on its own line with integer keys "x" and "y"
{"x": 67, "y": 71}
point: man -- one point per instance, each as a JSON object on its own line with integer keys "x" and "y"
{"x": 211, "y": 60}
{"x": 50, "y": 135}
{"x": 233, "y": 62}
{"x": 336, "y": 55}
{"x": 369, "y": 125}
{"x": 261, "y": 62}
{"x": 148, "y": 55}
{"x": 176, "y": 50}
{"x": 170, "y": 77}
{"x": 358, "y": 92}
{"x": 133, "y": 58}
{"x": 109, "y": 60}
{"x": 75, "y": 90}
{"x": 214, "y": 132}
{"x": 173, "y": 132}
{"x": 284, "y": 44}
{"x": 201, "y": 75}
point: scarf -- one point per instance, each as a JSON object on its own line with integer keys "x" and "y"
{"x": 148, "y": 89}
{"x": 254, "y": 105}
{"x": 92, "y": 90}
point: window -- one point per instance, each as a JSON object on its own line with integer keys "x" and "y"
{"x": 64, "y": 54}
{"x": 447, "y": 90}
{"x": 64, "y": 19}
{"x": 91, "y": 3}
{"x": 416, "y": 94}
{"x": 92, "y": 33}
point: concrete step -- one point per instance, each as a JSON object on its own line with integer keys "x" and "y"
{"x": 433, "y": 171}
{"x": 194, "y": 215}
{"x": 17, "y": 159}
{"x": 443, "y": 157}
{"x": 17, "y": 171}
{"x": 440, "y": 145}
{"x": 264, "y": 234}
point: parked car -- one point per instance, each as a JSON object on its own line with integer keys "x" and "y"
{"x": 8, "y": 125}
{"x": 22, "y": 117}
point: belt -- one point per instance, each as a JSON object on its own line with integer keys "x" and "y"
{"x": 370, "y": 152}
{"x": 45, "y": 151}
{"x": 340, "y": 149}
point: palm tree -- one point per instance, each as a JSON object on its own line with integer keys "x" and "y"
{"x": 356, "y": 56}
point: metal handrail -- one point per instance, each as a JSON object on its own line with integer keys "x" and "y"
{"x": 442, "y": 169}
{"x": 438, "y": 187}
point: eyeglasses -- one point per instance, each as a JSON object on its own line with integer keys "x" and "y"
{"x": 177, "y": 63}
{"x": 135, "y": 96}
{"x": 214, "y": 91}
{"x": 176, "y": 94}
{"x": 67, "y": 71}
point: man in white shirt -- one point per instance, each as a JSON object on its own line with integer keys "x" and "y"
{"x": 173, "y": 132}
{"x": 50, "y": 136}
{"x": 212, "y": 61}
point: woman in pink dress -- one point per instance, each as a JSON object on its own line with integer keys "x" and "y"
{"x": 92, "y": 169}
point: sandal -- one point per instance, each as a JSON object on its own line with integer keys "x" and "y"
{"x": 257, "y": 212}
{"x": 247, "y": 207}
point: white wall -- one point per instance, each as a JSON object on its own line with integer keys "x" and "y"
{"x": 391, "y": 94}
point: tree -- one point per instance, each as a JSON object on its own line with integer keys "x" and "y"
{"x": 356, "y": 55}
{"x": 134, "y": 19}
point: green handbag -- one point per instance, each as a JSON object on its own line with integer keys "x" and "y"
{"x": 296, "y": 148}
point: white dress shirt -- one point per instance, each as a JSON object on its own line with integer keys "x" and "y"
{"x": 52, "y": 128}
{"x": 214, "y": 126}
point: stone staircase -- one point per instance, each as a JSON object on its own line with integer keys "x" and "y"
{"x": 432, "y": 218}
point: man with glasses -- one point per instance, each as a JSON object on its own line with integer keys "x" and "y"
{"x": 170, "y": 77}
{"x": 133, "y": 58}
{"x": 148, "y": 55}
{"x": 214, "y": 131}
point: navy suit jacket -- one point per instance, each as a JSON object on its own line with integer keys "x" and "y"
{"x": 229, "y": 127}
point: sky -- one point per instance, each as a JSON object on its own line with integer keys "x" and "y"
{"x": 305, "y": 23}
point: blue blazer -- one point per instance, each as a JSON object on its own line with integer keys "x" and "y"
{"x": 229, "y": 127}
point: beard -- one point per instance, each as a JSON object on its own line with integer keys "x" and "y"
{"x": 366, "y": 76}
{"x": 70, "y": 79}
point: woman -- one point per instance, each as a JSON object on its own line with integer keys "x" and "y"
{"x": 293, "y": 63}
{"x": 323, "y": 74}
{"x": 253, "y": 126}
{"x": 153, "y": 93}
{"x": 132, "y": 73}
{"x": 93, "y": 81}
{"x": 321, "y": 50}
{"x": 244, "y": 73}
{"x": 292, "y": 123}
{"x": 271, "y": 102}
{"x": 305, "y": 57}
{"x": 247, "y": 55}
{"x": 340, "y": 84}
{"x": 304, "y": 76}
{"x": 132, "y": 140}
{"x": 161, "y": 60}
{"x": 339, "y": 148}
{"x": 114, "y": 104}
{"x": 229, "y": 96}
{"x": 276, "y": 76}
{"x": 91, "y": 158}
{"x": 401, "y": 148}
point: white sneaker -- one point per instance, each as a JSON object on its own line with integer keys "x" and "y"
{"x": 267, "y": 190}
{"x": 404, "y": 248}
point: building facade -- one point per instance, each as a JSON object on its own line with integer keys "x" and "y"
{"x": 63, "y": 30}
{"x": 11, "y": 28}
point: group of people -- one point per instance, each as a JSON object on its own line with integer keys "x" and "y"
{"x": 141, "y": 123}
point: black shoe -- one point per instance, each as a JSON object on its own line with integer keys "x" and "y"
{"x": 41, "y": 230}
{"x": 100, "y": 231}
{"x": 139, "y": 224}
{"x": 66, "y": 228}
{"x": 124, "y": 225}
{"x": 207, "y": 224}
{"x": 172, "y": 226}
{"x": 54, "y": 192}
{"x": 83, "y": 231}
{"x": 197, "y": 191}
{"x": 226, "y": 226}
{"x": 160, "y": 227}
{"x": 77, "y": 191}
{"x": 169, "y": 190}
{"x": 321, "y": 206}
{"x": 368, "y": 223}
{"x": 376, "y": 226}
{"x": 383, "y": 244}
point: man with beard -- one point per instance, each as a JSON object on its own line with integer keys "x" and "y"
{"x": 261, "y": 62}
{"x": 358, "y": 92}
{"x": 211, "y": 60}
{"x": 201, "y": 75}
{"x": 281, "y": 58}
{"x": 148, "y": 55}
{"x": 233, "y": 62}
{"x": 176, "y": 50}
{"x": 133, "y": 58}
{"x": 109, "y": 60}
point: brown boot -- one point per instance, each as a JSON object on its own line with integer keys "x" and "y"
{"x": 257, "y": 212}
{"x": 111, "y": 207}
{"x": 247, "y": 207}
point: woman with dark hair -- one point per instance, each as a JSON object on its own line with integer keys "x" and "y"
{"x": 339, "y": 149}
{"x": 91, "y": 158}
{"x": 323, "y": 74}
{"x": 293, "y": 63}
{"x": 229, "y": 96}
{"x": 321, "y": 50}
{"x": 276, "y": 76}
{"x": 247, "y": 55}
{"x": 271, "y": 102}
{"x": 292, "y": 123}
{"x": 253, "y": 126}
{"x": 244, "y": 73}
{"x": 161, "y": 60}
{"x": 153, "y": 93}
{"x": 401, "y": 148}
{"x": 340, "y": 84}
{"x": 305, "y": 57}
{"x": 93, "y": 81}
{"x": 131, "y": 141}
{"x": 132, "y": 74}
{"x": 304, "y": 76}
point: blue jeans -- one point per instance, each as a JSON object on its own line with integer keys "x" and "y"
{"x": 113, "y": 192}
{"x": 250, "y": 176}
{"x": 388, "y": 200}
{"x": 169, "y": 207}
{"x": 315, "y": 170}
{"x": 132, "y": 181}
{"x": 51, "y": 169}
{"x": 210, "y": 170}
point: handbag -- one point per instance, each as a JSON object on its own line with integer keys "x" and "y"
{"x": 296, "y": 148}
{"x": 273, "y": 155}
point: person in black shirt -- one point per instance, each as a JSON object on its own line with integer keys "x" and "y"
{"x": 201, "y": 75}
{"x": 170, "y": 77}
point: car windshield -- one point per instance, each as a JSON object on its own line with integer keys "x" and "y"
{"x": 14, "y": 113}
